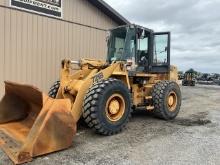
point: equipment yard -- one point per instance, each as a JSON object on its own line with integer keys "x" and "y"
{"x": 192, "y": 138}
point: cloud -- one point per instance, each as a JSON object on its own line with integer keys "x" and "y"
{"x": 194, "y": 24}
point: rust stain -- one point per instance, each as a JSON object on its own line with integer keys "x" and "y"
{"x": 32, "y": 124}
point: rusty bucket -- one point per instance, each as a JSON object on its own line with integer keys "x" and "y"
{"x": 32, "y": 124}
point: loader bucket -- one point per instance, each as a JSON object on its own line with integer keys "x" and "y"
{"x": 32, "y": 124}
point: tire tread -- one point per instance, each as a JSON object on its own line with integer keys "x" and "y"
{"x": 91, "y": 103}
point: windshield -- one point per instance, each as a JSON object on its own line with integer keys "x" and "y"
{"x": 121, "y": 44}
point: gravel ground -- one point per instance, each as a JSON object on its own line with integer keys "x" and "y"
{"x": 192, "y": 138}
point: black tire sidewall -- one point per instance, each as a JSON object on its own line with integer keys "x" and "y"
{"x": 172, "y": 87}
{"x": 184, "y": 83}
{"x": 54, "y": 90}
{"x": 120, "y": 89}
{"x": 160, "y": 94}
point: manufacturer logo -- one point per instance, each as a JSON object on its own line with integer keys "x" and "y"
{"x": 98, "y": 77}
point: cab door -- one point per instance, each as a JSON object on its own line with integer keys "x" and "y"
{"x": 160, "y": 62}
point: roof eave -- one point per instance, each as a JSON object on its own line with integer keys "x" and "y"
{"x": 109, "y": 11}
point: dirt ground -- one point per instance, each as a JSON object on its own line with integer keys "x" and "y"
{"x": 193, "y": 138}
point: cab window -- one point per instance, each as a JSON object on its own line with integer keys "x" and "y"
{"x": 142, "y": 45}
{"x": 161, "y": 49}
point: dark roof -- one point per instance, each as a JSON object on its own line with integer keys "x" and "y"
{"x": 109, "y": 11}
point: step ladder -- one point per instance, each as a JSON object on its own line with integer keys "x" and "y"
{"x": 149, "y": 108}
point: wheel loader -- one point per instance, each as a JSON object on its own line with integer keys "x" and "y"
{"x": 189, "y": 79}
{"x": 135, "y": 75}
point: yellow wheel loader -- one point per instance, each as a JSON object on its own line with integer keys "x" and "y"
{"x": 136, "y": 75}
{"x": 189, "y": 79}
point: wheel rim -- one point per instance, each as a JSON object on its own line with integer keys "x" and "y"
{"x": 115, "y": 107}
{"x": 172, "y": 101}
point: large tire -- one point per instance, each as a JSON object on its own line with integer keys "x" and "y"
{"x": 193, "y": 83}
{"x": 54, "y": 90}
{"x": 184, "y": 83}
{"x": 97, "y": 105}
{"x": 166, "y": 99}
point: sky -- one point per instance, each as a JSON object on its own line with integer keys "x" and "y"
{"x": 194, "y": 26}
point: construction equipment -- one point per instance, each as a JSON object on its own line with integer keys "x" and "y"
{"x": 136, "y": 75}
{"x": 189, "y": 79}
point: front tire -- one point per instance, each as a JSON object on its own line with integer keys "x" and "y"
{"x": 166, "y": 99}
{"x": 107, "y": 107}
{"x": 54, "y": 90}
{"x": 193, "y": 83}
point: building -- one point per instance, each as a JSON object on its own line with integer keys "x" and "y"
{"x": 35, "y": 35}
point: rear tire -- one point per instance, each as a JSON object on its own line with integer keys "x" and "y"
{"x": 54, "y": 90}
{"x": 193, "y": 83}
{"x": 166, "y": 99}
{"x": 107, "y": 107}
{"x": 184, "y": 83}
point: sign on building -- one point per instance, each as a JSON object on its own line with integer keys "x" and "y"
{"x": 46, "y": 7}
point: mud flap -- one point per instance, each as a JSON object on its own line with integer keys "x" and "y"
{"x": 32, "y": 124}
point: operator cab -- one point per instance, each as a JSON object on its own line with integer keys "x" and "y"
{"x": 141, "y": 48}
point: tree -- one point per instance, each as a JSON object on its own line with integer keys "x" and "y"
{"x": 195, "y": 74}
{"x": 180, "y": 72}
{"x": 191, "y": 70}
